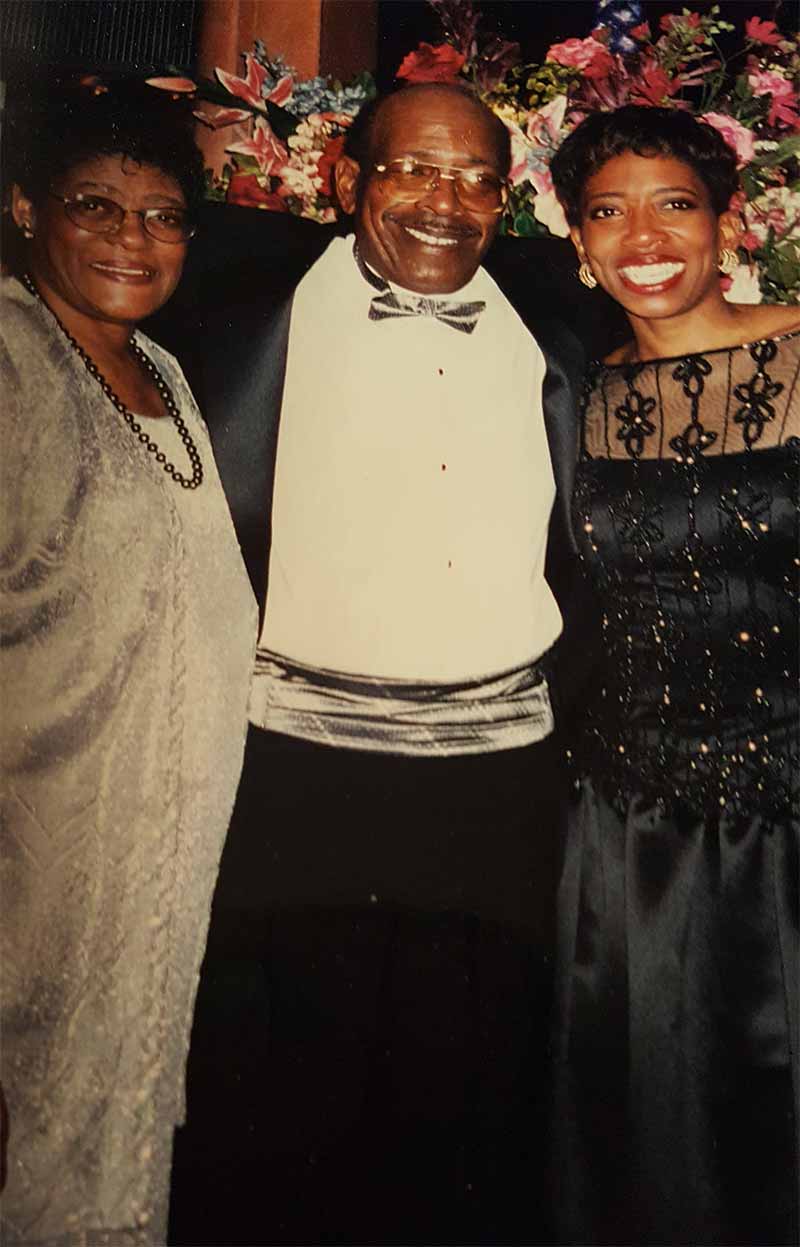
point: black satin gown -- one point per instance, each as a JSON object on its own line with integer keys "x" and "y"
{"x": 677, "y": 1079}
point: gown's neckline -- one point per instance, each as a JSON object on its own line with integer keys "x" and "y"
{"x": 716, "y": 350}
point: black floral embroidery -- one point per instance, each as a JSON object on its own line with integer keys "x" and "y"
{"x": 639, "y": 525}
{"x": 694, "y": 439}
{"x": 633, "y": 415}
{"x": 756, "y": 395}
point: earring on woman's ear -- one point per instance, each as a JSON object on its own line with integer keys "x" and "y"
{"x": 728, "y": 260}
{"x": 27, "y": 232}
{"x": 586, "y": 276}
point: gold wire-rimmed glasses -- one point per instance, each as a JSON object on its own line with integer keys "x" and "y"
{"x": 477, "y": 189}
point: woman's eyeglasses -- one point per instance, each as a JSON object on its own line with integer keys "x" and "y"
{"x": 477, "y": 190}
{"x": 100, "y": 215}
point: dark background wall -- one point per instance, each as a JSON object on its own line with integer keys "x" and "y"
{"x": 99, "y": 33}
{"x": 149, "y": 34}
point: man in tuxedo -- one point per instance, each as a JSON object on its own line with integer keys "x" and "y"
{"x": 397, "y": 450}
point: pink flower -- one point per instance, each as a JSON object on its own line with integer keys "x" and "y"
{"x": 249, "y": 89}
{"x": 546, "y": 205}
{"x": 222, "y": 117}
{"x": 521, "y": 153}
{"x": 432, "y": 64}
{"x": 589, "y": 55}
{"x": 774, "y": 214}
{"x": 532, "y": 148}
{"x": 762, "y": 32}
{"x": 176, "y": 86}
{"x": 735, "y": 135}
{"x": 264, "y": 147}
{"x": 784, "y": 103}
{"x": 545, "y": 123}
{"x": 281, "y": 93}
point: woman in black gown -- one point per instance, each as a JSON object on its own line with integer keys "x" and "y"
{"x": 678, "y": 1075}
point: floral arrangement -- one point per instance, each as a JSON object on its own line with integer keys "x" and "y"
{"x": 751, "y": 97}
{"x": 295, "y": 132}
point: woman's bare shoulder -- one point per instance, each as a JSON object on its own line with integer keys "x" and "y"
{"x": 767, "y": 320}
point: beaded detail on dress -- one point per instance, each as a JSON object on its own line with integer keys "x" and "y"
{"x": 686, "y": 510}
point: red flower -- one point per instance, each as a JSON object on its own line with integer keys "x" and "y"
{"x": 590, "y": 56}
{"x": 762, "y": 32}
{"x": 245, "y": 189}
{"x": 432, "y": 64}
{"x": 641, "y": 33}
{"x": 653, "y": 85}
{"x": 669, "y": 20}
{"x": 332, "y": 152}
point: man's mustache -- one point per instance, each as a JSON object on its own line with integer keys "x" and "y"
{"x": 437, "y": 225}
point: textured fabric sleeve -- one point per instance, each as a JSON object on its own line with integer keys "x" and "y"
{"x": 42, "y": 487}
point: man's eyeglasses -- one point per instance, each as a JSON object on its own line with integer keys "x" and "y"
{"x": 99, "y": 215}
{"x": 478, "y": 190}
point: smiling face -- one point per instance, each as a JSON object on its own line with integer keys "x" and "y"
{"x": 651, "y": 235}
{"x": 427, "y": 242}
{"x": 119, "y": 277}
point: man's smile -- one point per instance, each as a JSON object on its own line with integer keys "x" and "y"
{"x": 434, "y": 226}
{"x": 434, "y": 240}
{"x": 435, "y": 233}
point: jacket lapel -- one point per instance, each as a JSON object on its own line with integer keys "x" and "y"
{"x": 242, "y": 402}
{"x": 561, "y": 393}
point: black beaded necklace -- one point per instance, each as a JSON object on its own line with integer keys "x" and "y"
{"x": 166, "y": 393}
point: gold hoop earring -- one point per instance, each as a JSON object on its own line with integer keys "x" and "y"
{"x": 728, "y": 260}
{"x": 586, "y": 276}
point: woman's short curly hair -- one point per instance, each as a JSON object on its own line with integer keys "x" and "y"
{"x": 49, "y": 136}
{"x": 646, "y": 132}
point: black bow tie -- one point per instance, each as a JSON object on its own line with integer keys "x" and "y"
{"x": 389, "y": 303}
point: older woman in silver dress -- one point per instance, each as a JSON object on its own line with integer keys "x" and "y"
{"x": 680, "y": 902}
{"x": 128, "y": 628}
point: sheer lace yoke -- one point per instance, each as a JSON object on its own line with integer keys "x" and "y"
{"x": 712, "y": 403}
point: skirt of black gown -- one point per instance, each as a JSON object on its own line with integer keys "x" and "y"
{"x": 677, "y": 1067}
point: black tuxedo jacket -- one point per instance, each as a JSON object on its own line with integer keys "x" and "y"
{"x": 237, "y": 372}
